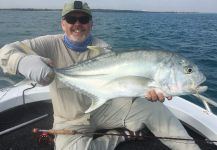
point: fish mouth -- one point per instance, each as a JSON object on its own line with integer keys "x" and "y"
{"x": 200, "y": 89}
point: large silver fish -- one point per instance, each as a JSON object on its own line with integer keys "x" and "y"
{"x": 132, "y": 74}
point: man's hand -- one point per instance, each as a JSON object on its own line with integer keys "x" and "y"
{"x": 153, "y": 96}
{"x": 37, "y": 69}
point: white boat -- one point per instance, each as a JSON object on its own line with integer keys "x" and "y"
{"x": 201, "y": 120}
{"x": 22, "y": 93}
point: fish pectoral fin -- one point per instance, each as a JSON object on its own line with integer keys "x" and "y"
{"x": 96, "y": 103}
{"x": 130, "y": 80}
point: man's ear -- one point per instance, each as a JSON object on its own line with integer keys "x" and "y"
{"x": 63, "y": 25}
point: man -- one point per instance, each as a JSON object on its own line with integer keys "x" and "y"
{"x": 69, "y": 106}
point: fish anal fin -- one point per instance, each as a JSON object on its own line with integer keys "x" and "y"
{"x": 96, "y": 103}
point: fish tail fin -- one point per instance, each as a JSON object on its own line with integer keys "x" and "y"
{"x": 96, "y": 103}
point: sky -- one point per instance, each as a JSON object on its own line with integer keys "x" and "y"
{"x": 209, "y": 6}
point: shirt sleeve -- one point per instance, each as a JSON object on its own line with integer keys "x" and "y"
{"x": 11, "y": 54}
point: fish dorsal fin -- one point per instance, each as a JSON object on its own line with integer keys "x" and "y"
{"x": 95, "y": 48}
{"x": 100, "y": 49}
{"x": 96, "y": 103}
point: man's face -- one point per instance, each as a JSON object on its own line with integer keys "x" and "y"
{"x": 77, "y": 31}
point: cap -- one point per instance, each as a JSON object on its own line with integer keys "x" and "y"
{"x": 76, "y": 6}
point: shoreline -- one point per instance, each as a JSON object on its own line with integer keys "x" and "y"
{"x": 106, "y": 10}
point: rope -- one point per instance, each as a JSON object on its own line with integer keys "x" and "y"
{"x": 23, "y": 95}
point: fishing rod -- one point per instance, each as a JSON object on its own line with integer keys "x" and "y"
{"x": 73, "y": 132}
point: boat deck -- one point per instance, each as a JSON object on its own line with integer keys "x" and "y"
{"x": 24, "y": 139}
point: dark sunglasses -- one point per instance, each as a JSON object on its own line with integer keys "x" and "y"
{"x": 72, "y": 19}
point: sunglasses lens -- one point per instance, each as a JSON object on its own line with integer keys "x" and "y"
{"x": 84, "y": 19}
{"x": 73, "y": 19}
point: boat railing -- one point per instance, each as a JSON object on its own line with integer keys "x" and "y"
{"x": 206, "y": 102}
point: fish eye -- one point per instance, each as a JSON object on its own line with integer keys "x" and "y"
{"x": 188, "y": 69}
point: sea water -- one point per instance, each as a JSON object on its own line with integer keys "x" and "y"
{"x": 193, "y": 35}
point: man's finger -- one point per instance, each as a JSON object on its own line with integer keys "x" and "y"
{"x": 169, "y": 97}
{"x": 154, "y": 96}
{"x": 161, "y": 97}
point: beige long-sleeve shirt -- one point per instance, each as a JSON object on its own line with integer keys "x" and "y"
{"x": 68, "y": 105}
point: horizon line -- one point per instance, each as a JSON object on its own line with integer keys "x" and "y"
{"x": 103, "y": 10}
